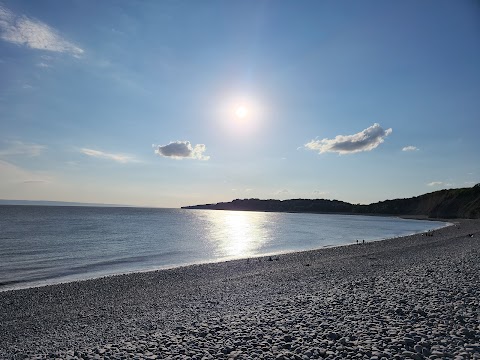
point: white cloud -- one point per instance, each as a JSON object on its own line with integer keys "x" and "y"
{"x": 43, "y": 65}
{"x": 33, "y": 33}
{"x": 410, "y": 148}
{"x": 319, "y": 193}
{"x": 20, "y": 148}
{"x": 121, "y": 158}
{"x": 182, "y": 150}
{"x": 435, "y": 183}
{"x": 365, "y": 140}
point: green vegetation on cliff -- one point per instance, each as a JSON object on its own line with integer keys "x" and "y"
{"x": 447, "y": 204}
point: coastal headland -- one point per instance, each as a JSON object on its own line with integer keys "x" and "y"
{"x": 414, "y": 297}
{"x": 463, "y": 203}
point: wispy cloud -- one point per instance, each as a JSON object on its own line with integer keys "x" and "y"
{"x": 319, "y": 193}
{"x": 410, "y": 148}
{"x": 121, "y": 158}
{"x": 435, "y": 183}
{"x": 15, "y": 148}
{"x": 43, "y": 65}
{"x": 283, "y": 193}
{"x": 33, "y": 33}
{"x": 10, "y": 173}
{"x": 365, "y": 140}
{"x": 35, "y": 181}
{"x": 182, "y": 150}
{"x": 244, "y": 190}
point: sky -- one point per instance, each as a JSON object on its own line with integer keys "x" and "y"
{"x": 172, "y": 103}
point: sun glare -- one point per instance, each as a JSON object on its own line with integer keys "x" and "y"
{"x": 236, "y": 233}
{"x": 240, "y": 115}
{"x": 241, "y": 112}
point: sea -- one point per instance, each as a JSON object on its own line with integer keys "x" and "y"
{"x": 41, "y": 245}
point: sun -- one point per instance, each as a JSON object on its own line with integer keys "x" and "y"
{"x": 240, "y": 115}
{"x": 241, "y": 112}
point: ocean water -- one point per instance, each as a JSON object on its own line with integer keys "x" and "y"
{"x": 48, "y": 244}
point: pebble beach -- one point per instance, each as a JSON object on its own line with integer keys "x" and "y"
{"x": 415, "y": 297}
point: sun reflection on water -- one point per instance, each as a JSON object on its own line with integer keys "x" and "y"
{"x": 237, "y": 233}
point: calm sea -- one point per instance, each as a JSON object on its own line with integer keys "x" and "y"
{"x": 48, "y": 244}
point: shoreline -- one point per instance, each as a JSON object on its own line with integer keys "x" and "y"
{"x": 22, "y": 285}
{"x": 410, "y": 297}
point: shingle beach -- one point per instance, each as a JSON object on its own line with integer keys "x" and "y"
{"x": 416, "y": 297}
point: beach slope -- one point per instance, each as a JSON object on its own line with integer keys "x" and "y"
{"x": 414, "y": 297}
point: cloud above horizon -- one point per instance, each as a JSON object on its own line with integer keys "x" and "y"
{"x": 19, "y": 148}
{"x": 33, "y": 33}
{"x": 365, "y": 140}
{"x": 410, "y": 148}
{"x": 182, "y": 150}
{"x": 34, "y": 181}
{"x": 284, "y": 193}
{"x": 13, "y": 174}
{"x": 121, "y": 158}
{"x": 319, "y": 193}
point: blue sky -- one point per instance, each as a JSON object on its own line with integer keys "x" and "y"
{"x": 171, "y": 103}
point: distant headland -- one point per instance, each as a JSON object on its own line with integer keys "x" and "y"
{"x": 445, "y": 204}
